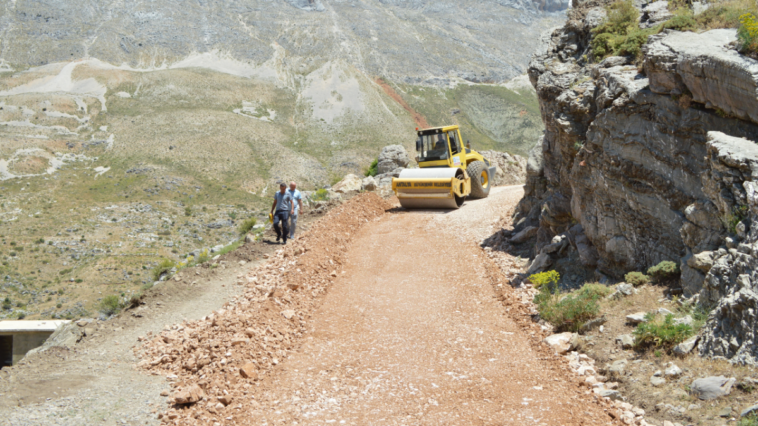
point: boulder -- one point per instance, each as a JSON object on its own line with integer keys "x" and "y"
{"x": 392, "y": 157}
{"x": 687, "y": 346}
{"x": 637, "y": 318}
{"x": 617, "y": 367}
{"x": 657, "y": 381}
{"x": 702, "y": 261}
{"x": 626, "y": 341}
{"x": 687, "y": 320}
{"x": 249, "y": 371}
{"x": 189, "y": 395}
{"x": 350, "y": 182}
{"x": 524, "y": 235}
{"x": 613, "y": 395}
{"x": 561, "y": 342}
{"x": 540, "y": 263}
{"x": 654, "y": 13}
{"x": 368, "y": 184}
{"x": 66, "y": 335}
{"x": 672, "y": 371}
{"x": 713, "y": 387}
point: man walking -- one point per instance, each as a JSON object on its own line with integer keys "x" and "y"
{"x": 297, "y": 201}
{"x": 281, "y": 209}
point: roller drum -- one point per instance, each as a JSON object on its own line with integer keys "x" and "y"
{"x": 433, "y": 198}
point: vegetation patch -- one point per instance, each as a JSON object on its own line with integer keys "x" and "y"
{"x": 569, "y": 312}
{"x": 247, "y": 225}
{"x": 320, "y": 195}
{"x": 664, "y": 271}
{"x": 373, "y": 169}
{"x": 110, "y": 305}
{"x": 164, "y": 267}
{"x": 636, "y": 278}
{"x": 661, "y": 333}
{"x": 549, "y": 278}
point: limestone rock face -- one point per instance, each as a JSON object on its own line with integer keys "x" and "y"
{"x": 392, "y": 157}
{"x": 703, "y": 65}
{"x": 637, "y": 166}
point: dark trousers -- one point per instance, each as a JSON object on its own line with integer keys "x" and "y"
{"x": 281, "y": 216}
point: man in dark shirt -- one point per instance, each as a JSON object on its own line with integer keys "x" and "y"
{"x": 281, "y": 209}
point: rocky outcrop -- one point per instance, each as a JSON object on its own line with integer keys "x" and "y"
{"x": 511, "y": 169}
{"x": 641, "y": 165}
{"x": 392, "y": 157}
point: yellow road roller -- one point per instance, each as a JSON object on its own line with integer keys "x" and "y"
{"x": 448, "y": 172}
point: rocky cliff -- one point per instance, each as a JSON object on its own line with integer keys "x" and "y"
{"x": 651, "y": 161}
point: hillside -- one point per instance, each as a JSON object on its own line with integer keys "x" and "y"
{"x": 132, "y": 133}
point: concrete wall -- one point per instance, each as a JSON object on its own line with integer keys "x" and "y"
{"x": 23, "y": 342}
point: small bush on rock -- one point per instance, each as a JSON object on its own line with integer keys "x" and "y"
{"x": 636, "y": 278}
{"x": 661, "y": 333}
{"x": 109, "y": 305}
{"x": 550, "y": 278}
{"x": 373, "y": 169}
{"x": 664, "y": 271}
{"x": 571, "y": 311}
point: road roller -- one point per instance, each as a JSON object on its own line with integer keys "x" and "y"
{"x": 448, "y": 172}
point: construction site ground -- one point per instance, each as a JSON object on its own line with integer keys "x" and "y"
{"x": 407, "y": 321}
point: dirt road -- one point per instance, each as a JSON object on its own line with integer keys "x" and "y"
{"x": 413, "y": 330}
{"x": 411, "y": 334}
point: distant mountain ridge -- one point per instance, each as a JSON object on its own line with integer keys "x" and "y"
{"x": 408, "y": 41}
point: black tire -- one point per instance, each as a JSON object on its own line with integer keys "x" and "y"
{"x": 480, "y": 179}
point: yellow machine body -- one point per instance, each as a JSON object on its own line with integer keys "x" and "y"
{"x": 442, "y": 179}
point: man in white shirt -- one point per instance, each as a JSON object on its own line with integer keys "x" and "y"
{"x": 297, "y": 201}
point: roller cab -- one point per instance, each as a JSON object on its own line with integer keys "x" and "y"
{"x": 448, "y": 172}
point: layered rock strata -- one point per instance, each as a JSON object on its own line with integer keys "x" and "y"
{"x": 641, "y": 164}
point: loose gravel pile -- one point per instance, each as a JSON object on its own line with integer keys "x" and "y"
{"x": 214, "y": 363}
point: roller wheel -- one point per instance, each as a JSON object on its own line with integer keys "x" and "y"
{"x": 480, "y": 179}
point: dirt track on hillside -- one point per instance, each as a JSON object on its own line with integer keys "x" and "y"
{"x": 413, "y": 330}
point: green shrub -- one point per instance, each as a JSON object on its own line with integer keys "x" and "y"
{"x": 321, "y": 195}
{"x": 661, "y": 333}
{"x": 664, "y": 271}
{"x": 550, "y": 278}
{"x": 78, "y": 280}
{"x": 7, "y": 304}
{"x": 65, "y": 271}
{"x": 636, "y": 278}
{"x": 619, "y": 34}
{"x": 373, "y": 169}
{"x": 247, "y": 225}
{"x": 751, "y": 420}
{"x": 595, "y": 290}
{"x": 109, "y": 305}
{"x": 569, "y": 312}
{"x": 162, "y": 268}
{"x": 188, "y": 211}
{"x": 683, "y": 20}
